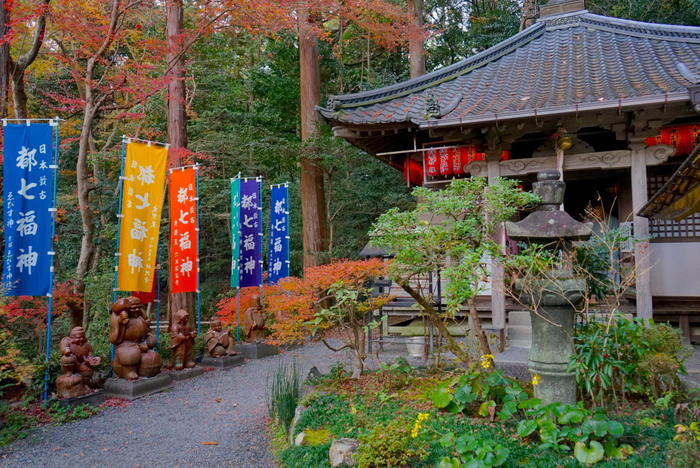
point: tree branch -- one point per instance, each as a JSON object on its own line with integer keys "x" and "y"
{"x": 332, "y": 348}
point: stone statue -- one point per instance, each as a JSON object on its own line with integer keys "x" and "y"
{"x": 181, "y": 341}
{"x": 219, "y": 342}
{"x": 130, "y": 333}
{"x": 77, "y": 364}
{"x": 253, "y": 320}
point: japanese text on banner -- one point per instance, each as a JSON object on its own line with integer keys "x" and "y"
{"x": 278, "y": 259}
{"x": 184, "y": 266}
{"x": 28, "y": 196}
{"x": 251, "y": 234}
{"x": 142, "y": 200}
{"x": 235, "y": 231}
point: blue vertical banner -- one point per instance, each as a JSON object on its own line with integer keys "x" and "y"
{"x": 251, "y": 233}
{"x": 235, "y": 231}
{"x": 278, "y": 257}
{"x": 28, "y": 202}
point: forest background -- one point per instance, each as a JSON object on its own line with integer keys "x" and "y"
{"x": 241, "y": 76}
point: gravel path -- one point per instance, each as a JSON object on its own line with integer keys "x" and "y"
{"x": 167, "y": 429}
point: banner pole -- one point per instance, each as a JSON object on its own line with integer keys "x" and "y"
{"x": 120, "y": 188}
{"x": 49, "y": 313}
{"x": 262, "y": 244}
{"x": 196, "y": 199}
{"x": 238, "y": 305}
{"x": 158, "y": 304}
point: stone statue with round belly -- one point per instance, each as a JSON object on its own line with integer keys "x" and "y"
{"x": 130, "y": 333}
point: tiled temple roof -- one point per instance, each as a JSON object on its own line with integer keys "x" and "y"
{"x": 562, "y": 64}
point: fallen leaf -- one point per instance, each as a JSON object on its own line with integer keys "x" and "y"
{"x": 210, "y": 443}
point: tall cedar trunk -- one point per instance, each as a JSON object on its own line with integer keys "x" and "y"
{"x": 313, "y": 206}
{"x": 177, "y": 123}
{"x": 416, "y": 49}
{"x": 4, "y": 60}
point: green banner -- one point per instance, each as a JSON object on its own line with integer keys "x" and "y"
{"x": 235, "y": 230}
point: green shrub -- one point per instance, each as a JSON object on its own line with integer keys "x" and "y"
{"x": 389, "y": 445}
{"x": 632, "y": 357}
{"x": 284, "y": 393}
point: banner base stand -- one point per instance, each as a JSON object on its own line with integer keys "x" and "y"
{"x": 95, "y": 399}
{"x": 186, "y": 373}
{"x": 256, "y": 350}
{"x": 223, "y": 362}
{"x": 133, "y": 389}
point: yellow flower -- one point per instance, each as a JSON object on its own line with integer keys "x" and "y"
{"x": 487, "y": 361}
{"x": 535, "y": 380}
{"x": 353, "y": 410}
{"x": 418, "y": 424}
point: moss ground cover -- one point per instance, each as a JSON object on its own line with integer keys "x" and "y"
{"x": 393, "y": 415}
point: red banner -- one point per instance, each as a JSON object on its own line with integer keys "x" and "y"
{"x": 146, "y": 297}
{"x": 184, "y": 265}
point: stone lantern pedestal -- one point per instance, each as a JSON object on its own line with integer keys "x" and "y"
{"x": 552, "y": 298}
{"x": 552, "y": 318}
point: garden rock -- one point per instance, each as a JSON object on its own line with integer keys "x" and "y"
{"x": 299, "y": 439}
{"x": 297, "y": 414}
{"x": 343, "y": 452}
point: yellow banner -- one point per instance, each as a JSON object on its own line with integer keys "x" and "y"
{"x": 142, "y": 199}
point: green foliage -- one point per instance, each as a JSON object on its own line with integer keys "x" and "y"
{"x": 654, "y": 11}
{"x": 472, "y": 450}
{"x": 683, "y": 455}
{"x": 629, "y": 358}
{"x": 467, "y": 28}
{"x": 317, "y": 436}
{"x": 389, "y": 445}
{"x": 458, "y": 240}
{"x": 474, "y": 393}
{"x": 284, "y": 393}
{"x": 560, "y": 426}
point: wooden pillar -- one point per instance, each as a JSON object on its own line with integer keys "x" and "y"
{"x": 498, "y": 296}
{"x": 642, "y": 264}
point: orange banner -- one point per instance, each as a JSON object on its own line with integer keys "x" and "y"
{"x": 142, "y": 200}
{"x": 184, "y": 264}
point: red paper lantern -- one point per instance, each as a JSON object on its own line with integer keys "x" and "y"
{"x": 445, "y": 157}
{"x": 412, "y": 171}
{"x": 682, "y": 137}
{"x": 432, "y": 164}
{"x": 457, "y": 161}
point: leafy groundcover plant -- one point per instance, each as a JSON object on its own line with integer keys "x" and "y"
{"x": 476, "y": 418}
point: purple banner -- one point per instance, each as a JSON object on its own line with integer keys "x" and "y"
{"x": 251, "y": 234}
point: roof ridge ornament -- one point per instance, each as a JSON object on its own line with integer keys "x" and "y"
{"x": 432, "y": 107}
{"x": 560, "y": 7}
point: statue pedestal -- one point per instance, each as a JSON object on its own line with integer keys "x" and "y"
{"x": 256, "y": 350}
{"x": 186, "y": 373}
{"x": 223, "y": 362}
{"x": 95, "y": 398}
{"x": 133, "y": 389}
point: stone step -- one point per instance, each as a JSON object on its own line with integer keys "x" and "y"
{"x": 519, "y": 317}
{"x": 519, "y": 333}
{"x": 519, "y": 344}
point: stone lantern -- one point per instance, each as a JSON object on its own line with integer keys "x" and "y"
{"x": 553, "y": 297}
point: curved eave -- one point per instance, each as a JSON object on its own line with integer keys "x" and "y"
{"x": 559, "y": 110}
